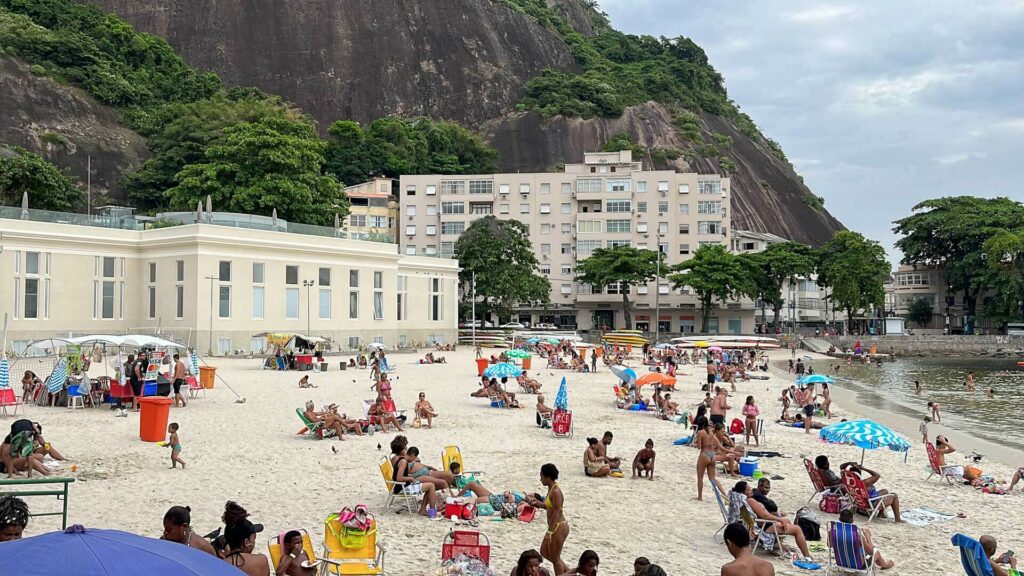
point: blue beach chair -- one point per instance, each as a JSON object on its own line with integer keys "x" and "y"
{"x": 972, "y": 556}
{"x": 846, "y": 551}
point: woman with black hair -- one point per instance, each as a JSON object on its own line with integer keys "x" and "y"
{"x": 240, "y": 536}
{"x": 558, "y": 527}
{"x": 178, "y": 528}
{"x": 529, "y": 564}
{"x": 13, "y": 518}
{"x": 587, "y": 565}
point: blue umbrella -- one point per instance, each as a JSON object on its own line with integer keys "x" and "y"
{"x": 625, "y": 374}
{"x": 5, "y": 373}
{"x": 93, "y": 552}
{"x": 503, "y": 370}
{"x": 864, "y": 434}
{"x": 562, "y": 398}
{"x": 58, "y": 377}
{"x": 533, "y": 340}
{"x": 815, "y": 379}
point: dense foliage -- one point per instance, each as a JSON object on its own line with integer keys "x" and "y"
{"x": 498, "y": 253}
{"x": 714, "y": 274}
{"x": 48, "y": 187}
{"x": 920, "y": 312}
{"x": 770, "y": 269}
{"x": 1005, "y": 255}
{"x": 395, "y": 146}
{"x": 855, "y": 268}
{"x": 623, "y": 265}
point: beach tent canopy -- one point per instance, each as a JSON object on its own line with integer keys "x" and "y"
{"x": 282, "y": 339}
{"x": 136, "y": 340}
{"x": 77, "y": 551}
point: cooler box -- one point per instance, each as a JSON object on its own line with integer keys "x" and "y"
{"x": 153, "y": 419}
{"x": 481, "y": 365}
{"x": 149, "y": 389}
{"x": 748, "y": 466}
{"x": 207, "y": 374}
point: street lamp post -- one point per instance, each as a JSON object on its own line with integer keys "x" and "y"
{"x": 211, "y": 279}
{"x": 308, "y": 284}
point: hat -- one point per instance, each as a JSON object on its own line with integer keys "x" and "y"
{"x": 240, "y": 531}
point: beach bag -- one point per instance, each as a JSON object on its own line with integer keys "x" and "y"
{"x": 971, "y": 473}
{"x": 484, "y": 509}
{"x": 353, "y": 538}
{"x": 830, "y": 504}
{"x": 736, "y": 426}
{"x": 808, "y": 523}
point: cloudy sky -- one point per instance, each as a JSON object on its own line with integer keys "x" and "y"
{"x": 879, "y": 104}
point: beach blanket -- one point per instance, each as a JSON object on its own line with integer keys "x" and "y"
{"x": 924, "y": 516}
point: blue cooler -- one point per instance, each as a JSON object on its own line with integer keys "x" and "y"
{"x": 149, "y": 388}
{"x": 748, "y": 466}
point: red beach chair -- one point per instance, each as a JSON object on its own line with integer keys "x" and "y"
{"x": 561, "y": 424}
{"x": 933, "y": 461}
{"x": 468, "y": 542}
{"x": 855, "y": 488}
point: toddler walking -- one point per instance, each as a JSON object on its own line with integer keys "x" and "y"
{"x": 174, "y": 443}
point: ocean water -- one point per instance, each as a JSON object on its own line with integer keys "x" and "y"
{"x": 890, "y": 387}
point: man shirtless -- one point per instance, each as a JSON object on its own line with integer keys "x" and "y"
{"x": 602, "y": 451}
{"x": 719, "y": 406}
{"x": 329, "y": 418}
{"x": 737, "y": 540}
{"x": 543, "y": 409}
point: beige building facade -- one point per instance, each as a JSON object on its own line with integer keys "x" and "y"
{"x": 215, "y": 286}
{"x": 373, "y": 211}
{"x": 606, "y": 200}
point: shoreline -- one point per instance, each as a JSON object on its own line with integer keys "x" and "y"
{"x": 846, "y": 399}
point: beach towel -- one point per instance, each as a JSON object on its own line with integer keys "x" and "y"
{"x": 924, "y": 516}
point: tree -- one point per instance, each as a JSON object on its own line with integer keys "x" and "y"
{"x": 951, "y": 233}
{"x": 48, "y": 187}
{"x": 1004, "y": 253}
{"x": 623, "y": 265}
{"x": 855, "y": 268}
{"x": 920, "y": 312}
{"x": 260, "y": 166}
{"x": 713, "y": 274}
{"x": 776, "y": 264}
{"x": 500, "y": 255}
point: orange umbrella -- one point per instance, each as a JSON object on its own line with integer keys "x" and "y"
{"x": 656, "y": 378}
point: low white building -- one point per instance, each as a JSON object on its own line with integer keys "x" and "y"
{"x": 216, "y": 285}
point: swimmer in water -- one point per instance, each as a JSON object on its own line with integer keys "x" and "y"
{"x": 991, "y": 392}
{"x": 917, "y": 387}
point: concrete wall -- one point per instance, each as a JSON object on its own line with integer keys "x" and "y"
{"x": 938, "y": 345}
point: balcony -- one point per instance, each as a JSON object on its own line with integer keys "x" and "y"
{"x": 588, "y": 196}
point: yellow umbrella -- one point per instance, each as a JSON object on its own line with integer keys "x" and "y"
{"x": 701, "y": 344}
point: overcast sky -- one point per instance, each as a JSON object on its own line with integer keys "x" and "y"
{"x": 879, "y": 104}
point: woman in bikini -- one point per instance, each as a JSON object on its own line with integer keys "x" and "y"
{"x": 400, "y": 473}
{"x": 594, "y": 465}
{"x": 558, "y": 527}
{"x": 708, "y": 446}
{"x": 424, "y": 473}
{"x": 730, "y": 453}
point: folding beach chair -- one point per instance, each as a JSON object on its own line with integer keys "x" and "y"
{"x": 194, "y": 387}
{"x": 452, "y": 454}
{"x": 819, "y": 485}
{"x": 854, "y": 487}
{"x": 719, "y": 535}
{"x": 8, "y": 399}
{"x": 933, "y": 462}
{"x": 764, "y": 538}
{"x": 274, "y": 546}
{"x": 846, "y": 551}
{"x": 352, "y": 553}
{"x": 313, "y": 429}
{"x": 972, "y": 556}
{"x": 496, "y": 401}
{"x": 409, "y": 495}
{"x": 469, "y": 542}
{"x": 561, "y": 424}
{"x": 543, "y": 421}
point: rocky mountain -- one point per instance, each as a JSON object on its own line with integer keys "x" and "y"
{"x": 469, "y": 61}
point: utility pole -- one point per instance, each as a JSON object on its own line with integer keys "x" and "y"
{"x": 307, "y": 284}
{"x": 473, "y": 303}
{"x": 211, "y": 279}
{"x": 88, "y": 185}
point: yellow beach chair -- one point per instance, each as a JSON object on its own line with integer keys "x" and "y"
{"x": 453, "y": 454}
{"x": 275, "y": 548}
{"x": 408, "y": 497}
{"x": 362, "y": 556}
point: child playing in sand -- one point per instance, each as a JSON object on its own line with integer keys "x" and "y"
{"x": 934, "y": 407}
{"x": 305, "y": 383}
{"x": 644, "y": 461}
{"x": 174, "y": 443}
{"x": 924, "y": 429}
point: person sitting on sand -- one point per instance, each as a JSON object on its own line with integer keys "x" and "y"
{"x": 424, "y": 409}
{"x": 729, "y": 454}
{"x": 873, "y": 556}
{"x": 384, "y": 416}
{"x": 178, "y": 528}
{"x": 669, "y": 408}
{"x": 530, "y": 384}
{"x": 485, "y": 385}
{"x": 643, "y": 462}
{"x": 988, "y": 544}
{"x": 587, "y": 566}
{"x": 593, "y": 465}
{"x": 744, "y": 563}
{"x": 1016, "y": 478}
{"x": 304, "y": 382}
{"x": 351, "y": 363}
{"x": 529, "y": 564}
{"x": 328, "y": 417}
{"x": 18, "y": 453}
{"x": 509, "y": 398}
{"x": 781, "y": 526}
{"x": 602, "y": 451}
{"x": 362, "y": 361}
{"x": 13, "y": 518}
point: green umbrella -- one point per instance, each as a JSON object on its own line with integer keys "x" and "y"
{"x": 553, "y": 340}
{"x": 519, "y": 354}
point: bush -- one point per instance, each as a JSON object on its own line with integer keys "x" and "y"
{"x": 723, "y": 140}
{"x": 37, "y": 70}
{"x": 664, "y": 155}
{"x": 52, "y": 138}
{"x": 728, "y": 166}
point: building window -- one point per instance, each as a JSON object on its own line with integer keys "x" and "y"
{"x": 587, "y": 246}
{"x": 410, "y": 210}
{"x": 180, "y": 266}
{"x": 618, "y": 226}
{"x": 32, "y": 293}
{"x": 618, "y": 185}
{"x": 617, "y": 288}
{"x": 453, "y": 187}
{"x": 403, "y": 297}
{"x": 503, "y": 208}
{"x": 524, "y": 188}
{"x": 31, "y": 262}
{"x": 378, "y": 304}
{"x": 380, "y": 222}
{"x": 151, "y": 297}
{"x": 353, "y": 305}
{"x": 545, "y": 269}
{"x": 709, "y": 227}
{"x": 641, "y": 186}
{"x": 108, "y": 268}
{"x": 257, "y": 302}
{"x": 566, "y": 248}
{"x": 431, "y": 229}
{"x": 566, "y": 188}
{"x": 481, "y": 208}
{"x": 709, "y": 207}
{"x": 545, "y": 248}
{"x": 431, "y": 190}
{"x": 179, "y": 302}
{"x": 447, "y": 249}
{"x": 641, "y": 207}
{"x": 684, "y": 228}
{"x": 503, "y": 188}
{"x": 481, "y": 187}
{"x": 224, "y": 302}
{"x": 684, "y": 249}
{"x": 453, "y": 207}
{"x": 431, "y": 209}
{"x": 291, "y": 275}
{"x": 324, "y": 303}
{"x": 662, "y": 207}
{"x": 566, "y": 228}
{"x": 545, "y": 188}
{"x": 618, "y": 206}
{"x": 684, "y": 188}
{"x": 662, "y": 228}
{"x": 353, "y": 278}
{"x": 588, "y": 185}
{"x": 662, "y": 185}
{"x": 224, "y": 271}
{"x": 258, "y": 272}
{"x": 410, "y": 230}
{"x": 410, "y": 249}
{"x": 410, "y": 190}
{"x": 545, "y": 208}
{"x": 324, "y": 278}
{"x": 430, "y": 250}
{"x": 641, "y": 227}
{"x": 566, "y": 270}
{"x": 684, "y": 209}
{"x": 614, "y": 243}
{"x": 709, "y": 187}
{"x": 357, "y": 220}
{"x": 588, "y": 226}
{"x": 453, "y": 228}
{"x": 108, "y": 299}
{"x": 435, "y": 302}
{"x": 291, "y": 303}
{"x": 545, "y": 228}
{"x": 524, "y": 208}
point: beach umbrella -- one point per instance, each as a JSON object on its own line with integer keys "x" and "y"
{"x": 715, "y": 349}
{"x": 864, "y": 434}
{"x": 663, "y": 346}
{"x": 5, "y": 373}
{"x": 518, "y": 354}
{"x": 625, "y": 374}
{"x": 656, "y": 378}
{"x": 24, "y": 206}
{"x": 94, "y": 552}
{"x": 533, "y": 340}
{"x": 562, "y": 398}
{"x": 815, "y": 379}
{"x": 377, "y": 345}
{"x": 503, "y": 370}
{"x": 194, "y": 361}
{"x": 700, "y": 344}
{"x": 58, "y": 377}
{"x": 553, "y": 340}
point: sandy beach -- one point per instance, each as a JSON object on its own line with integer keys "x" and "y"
{"x": 250, "y": 453}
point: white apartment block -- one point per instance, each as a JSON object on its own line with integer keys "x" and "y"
{"x": 607, "y": 200}
{"x": 215, "y": 285}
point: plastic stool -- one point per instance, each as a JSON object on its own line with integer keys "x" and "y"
{"x": 76, "y": 401}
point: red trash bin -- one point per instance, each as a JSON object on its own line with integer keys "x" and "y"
{"x": 481, "y": 365}
{"x": 153, "y": 419}
{"x": 527, "y": 363}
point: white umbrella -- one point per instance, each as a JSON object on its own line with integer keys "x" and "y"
{"x": 24, "y": 205}
{"x": 274, "y": 218}
{"x": 375, "y": 345}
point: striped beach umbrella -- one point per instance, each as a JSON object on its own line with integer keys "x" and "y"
{"x": 864, "y": 434}
{"x": 503, "y": 370}
{"x": 194, "y": 361}
{"x": 627, "y": 375}
{"x": 58, "y": 377}
{"x": 562, "y": 398}
{"x": 5, "y": 373}
{"x": 518, "y": 354}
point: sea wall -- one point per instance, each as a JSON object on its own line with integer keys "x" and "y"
{"x": 937, "y": 345}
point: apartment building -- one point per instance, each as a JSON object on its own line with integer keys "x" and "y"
{"x": 949, "y": 310}
{"x": 216, "y": 284}
{"x": 373, "y": 212}
{"x": 605, "y": 201}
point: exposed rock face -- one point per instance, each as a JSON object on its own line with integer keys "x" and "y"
{"x": 575, "y": 13}
{"x": 767, "y": 194}
{"x": 464, "y": 60}
{"x": 66, "y": 126}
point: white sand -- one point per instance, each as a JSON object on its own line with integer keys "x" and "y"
{"x": 250, "y": 453}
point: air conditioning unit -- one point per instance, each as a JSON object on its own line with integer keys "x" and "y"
{"x": 663, "y": 192}
{"x": 523, "y": 194}
{"x": 661, "y": 213}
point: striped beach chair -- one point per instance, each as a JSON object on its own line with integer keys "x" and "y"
{"x": 846, "y": 551}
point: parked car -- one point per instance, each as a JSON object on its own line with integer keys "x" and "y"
{"x": 515, "y": 325}
{"x": 476, "y": 324}
{"x": 546, "y": 326}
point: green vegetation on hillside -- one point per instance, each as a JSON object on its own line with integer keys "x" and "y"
{"x": 48, "y": 187}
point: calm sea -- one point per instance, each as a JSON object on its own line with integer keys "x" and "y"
{"x": 891, "y": 388}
